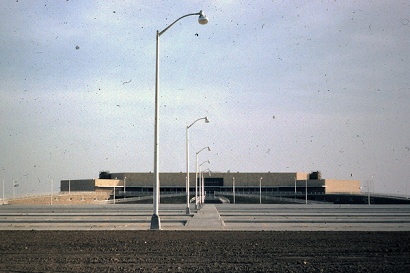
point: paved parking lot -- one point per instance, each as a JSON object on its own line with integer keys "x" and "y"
{"x": 255, "y": 217}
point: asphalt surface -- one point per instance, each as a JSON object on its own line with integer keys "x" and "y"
{"x": 257, "y": 217}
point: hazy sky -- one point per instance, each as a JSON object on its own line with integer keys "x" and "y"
{"x": 287, "y": 85}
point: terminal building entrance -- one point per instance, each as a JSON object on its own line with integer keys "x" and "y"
{"x": 213, "y": 184}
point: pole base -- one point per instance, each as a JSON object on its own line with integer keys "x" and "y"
{"x": 188, "y": 211}
{"x": 155, "y": 222}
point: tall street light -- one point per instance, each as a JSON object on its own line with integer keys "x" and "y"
{"x": 260, "y": 190}
{"x": 196, "y": 176}
{"x": 188, "y": 210}
{"x": 155, "y": 220}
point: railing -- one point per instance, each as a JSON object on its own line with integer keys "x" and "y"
{"x": 141, "y": 193}
{"x": 142, "y": 197}
{"x": 269, "y": 193}
{"x": 387, "y": 195}
{"x": 276, "y": 196}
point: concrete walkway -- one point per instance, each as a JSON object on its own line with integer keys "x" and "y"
{"x": 207, "y": 218}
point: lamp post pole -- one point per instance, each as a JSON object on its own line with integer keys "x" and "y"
{"x": 201, "y": 185}
{"x": 306, "y": 189}
{"x": 260, "y": 190}
{"x": 368, "y": 192}
{"x": 125, "y": 179}
{"x": 233, "y": 189}
{"x": 155, "y": 220}
{"x": 202, "y": 189}
{"x": 196, "y": 181}
{"x": 113, "y": 186}
{"x": 196, "y": 176}
{"x": 188, "y": 210}
{"x": 369, "y": 185}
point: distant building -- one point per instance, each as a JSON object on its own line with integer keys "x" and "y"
{"x": 216, "y": 182}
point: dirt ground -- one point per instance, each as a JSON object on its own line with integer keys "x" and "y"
{"x": 204, "y": 251}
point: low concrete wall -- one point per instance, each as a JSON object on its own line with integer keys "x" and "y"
{"x": 62, "y": 199}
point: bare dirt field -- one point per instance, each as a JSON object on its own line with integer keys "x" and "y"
{"x": 203, "y": 251}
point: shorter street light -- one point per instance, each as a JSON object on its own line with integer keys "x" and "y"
{"x": 306, "y": 190}
{"x": 201, "y": 186}
{"x": 113, "y": 186}
{"x": 203, "y": 181}
{"x": 125, "y": 179}
{"x": 209, "y": 173}
{"x": 369, "y": 186}
{"x": 196, "y": 176}
{"x": 233, "y": 189}
{"x": 188, "y": 210}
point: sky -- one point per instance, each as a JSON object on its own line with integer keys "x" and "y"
{"x": 288, "y": 86}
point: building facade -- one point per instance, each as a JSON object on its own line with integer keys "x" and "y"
{"x": 215, "y": 182}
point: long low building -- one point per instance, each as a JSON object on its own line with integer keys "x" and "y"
{"x": 215, "y": 182}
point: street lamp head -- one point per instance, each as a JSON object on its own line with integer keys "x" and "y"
{"x": 203, "y": 19}
{"x": 206, "y": 120}
{"x": 209, "y": 149}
